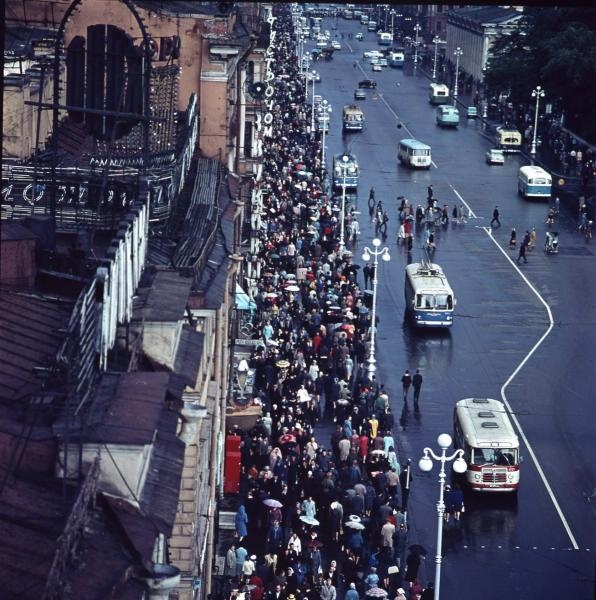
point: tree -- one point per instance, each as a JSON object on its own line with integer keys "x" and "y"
{"x": 554, "y": 47}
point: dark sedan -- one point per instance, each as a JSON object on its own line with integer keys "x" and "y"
{"x": 369, "y": 84}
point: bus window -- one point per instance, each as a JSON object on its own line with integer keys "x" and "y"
{"x": 418, "y": 300}
{"x": 498, "y": 456}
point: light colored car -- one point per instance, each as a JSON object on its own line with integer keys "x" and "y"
{"x": 377, "y": 67}
{"x": 322, "y": 44}
{"x": 383, "y": 62}
{"x": 359, "y": 36}
{"x": 336, "y": 45}
{"x": 372, "y": 54}
{"x": 359, "y": 94}
{"x": 495, "y": 157}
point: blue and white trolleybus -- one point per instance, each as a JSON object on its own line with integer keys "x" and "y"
{"x": 429, "y": 297}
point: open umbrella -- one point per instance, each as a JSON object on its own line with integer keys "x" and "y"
{"x": 271, "y": 295}
{"x": 272, "y": 503}
{"x": 292, "y": 288}
{"x": 417, "y": 549}
{"x": 379, "y": 452}
{"x": 287, "y": 438}
{"x": 309, "y": 520}
{"x": 354, "y": 525}
{"x": 354, "y": 518}
{"x": 282, "y": 363}
{"x": 376, "y": 592}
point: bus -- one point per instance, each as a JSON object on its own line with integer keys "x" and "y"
{"x": 345, "y": 171}
{"x": 413, "y": 153}
{"x": 438, "y": 93}
{"x": 482, "y": 429}
{"x": 508, "y": 140}
{"x": 429, "y": 297}
{"x": 534, "y": 182}
{"x": 353, "y": 118}
{"x": 397, "y": 59}
{"x": 447, "y": 116}
{"x": 384, "y": 38}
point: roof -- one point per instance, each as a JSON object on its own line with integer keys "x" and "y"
{"x": 186, "y": 8}
{"x": 414, "y": 143}
{"x": 167, "y": 297}
{"x": 485, "y": 423}
{"x": 127, "y": 408}
{"x": 487, "y": 15}
{"x": 14, "y": 231}
{"x": 30, "y": 337}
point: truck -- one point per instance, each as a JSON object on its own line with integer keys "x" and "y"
{"x": 353, "y": 118}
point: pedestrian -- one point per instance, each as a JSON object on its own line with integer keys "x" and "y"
{"x": 417, "y": 384}
{"x": 513, "y": 238}
{"x": 532, "y": 241}
{"x": 428, "y": 593}
{"x": 366, "y": 271}
{"x": 352, "y": 594}
{"x": 429, "y": 192}
{"x": 406, "y": 381}
{"x": 495, "y": 218}
{"x": 412, "y": 565}
{"x": 522, "y": 252}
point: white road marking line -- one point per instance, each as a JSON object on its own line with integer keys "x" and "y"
{"x": 470, "y": 211}
{"x": 519, "y": 367}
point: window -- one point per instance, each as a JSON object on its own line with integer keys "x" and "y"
{"x": 496, "y": 456}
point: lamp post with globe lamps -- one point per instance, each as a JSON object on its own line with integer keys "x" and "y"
{"x": 537, "y": 93}
{"x": 312, "y": 112}
{"x": 457, "y": 53}
{"x": 417, "y": 29}
{"x": 436, "y": 41}
{"x": 345, "y": 159}
{"x": 366, "y": 256}
{"x": 459, "y": 466}
{"x": 325, "y": 113}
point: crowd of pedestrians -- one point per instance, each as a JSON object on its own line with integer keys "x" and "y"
{"x": 316, "y": 518}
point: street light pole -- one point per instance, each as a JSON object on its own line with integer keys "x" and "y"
{"x": 366, "y": 256}
{"x": 417, "y": 30}
{"x": 457, "y": 53}
{"x": 459, "y": 466}
{"x": 344, "y": 168}
{"x": 325, "y": 112}
{"x": 312, "y": 112}
{"x": 537, "y": 93}
{"x": 436, "y": 41}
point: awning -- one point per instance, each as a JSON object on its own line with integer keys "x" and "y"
{"x": 243, "y": 301}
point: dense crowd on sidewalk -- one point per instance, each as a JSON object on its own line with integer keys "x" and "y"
{"x": 315, "y": 518}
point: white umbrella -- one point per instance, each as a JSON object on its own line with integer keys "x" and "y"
{"x": 309, "y": 520}
{"x": 355, "y": 525}
{"x": 292, "y": 288}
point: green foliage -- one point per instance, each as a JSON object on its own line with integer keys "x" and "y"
{"x": 554, "y": 47}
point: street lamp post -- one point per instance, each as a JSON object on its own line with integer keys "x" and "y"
{"x": 457, "y": 53}
{"x": 366, "y": 256}
{"x": 325, "y": 112}
{"x": 417, "y": 29}
{"x": 312, "y": 112}
{"x": 537, "y": 93}
{"x": 459, "y": 466}
{"x": 344, "y": 169}
{"x": 436, "y": 41}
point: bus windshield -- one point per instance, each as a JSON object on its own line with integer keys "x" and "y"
{"x": 420, "y": 152}
{"x": 436, "y": 301}
{"x": 496, "y": 456}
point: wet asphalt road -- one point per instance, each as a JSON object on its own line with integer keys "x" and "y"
{"x": 541, "y": 545}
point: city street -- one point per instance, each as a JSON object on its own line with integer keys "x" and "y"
{"x": 524, "y": 335}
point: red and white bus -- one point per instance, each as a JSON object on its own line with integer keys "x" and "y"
{"x": 482, "y": 429}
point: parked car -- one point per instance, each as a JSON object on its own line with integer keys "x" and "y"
{"x": 322, "y": 44}
{"x": 336, "y": 45}
{"x": 377, "y": 67}
{"x": 372, "y": 54}
{"x": 359, "y": 36}
{"x": 471, "y": 112}
{"x": 359, "y": 94}
{"x": 495, "y": 157}
{"x": 369, "y": 84}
